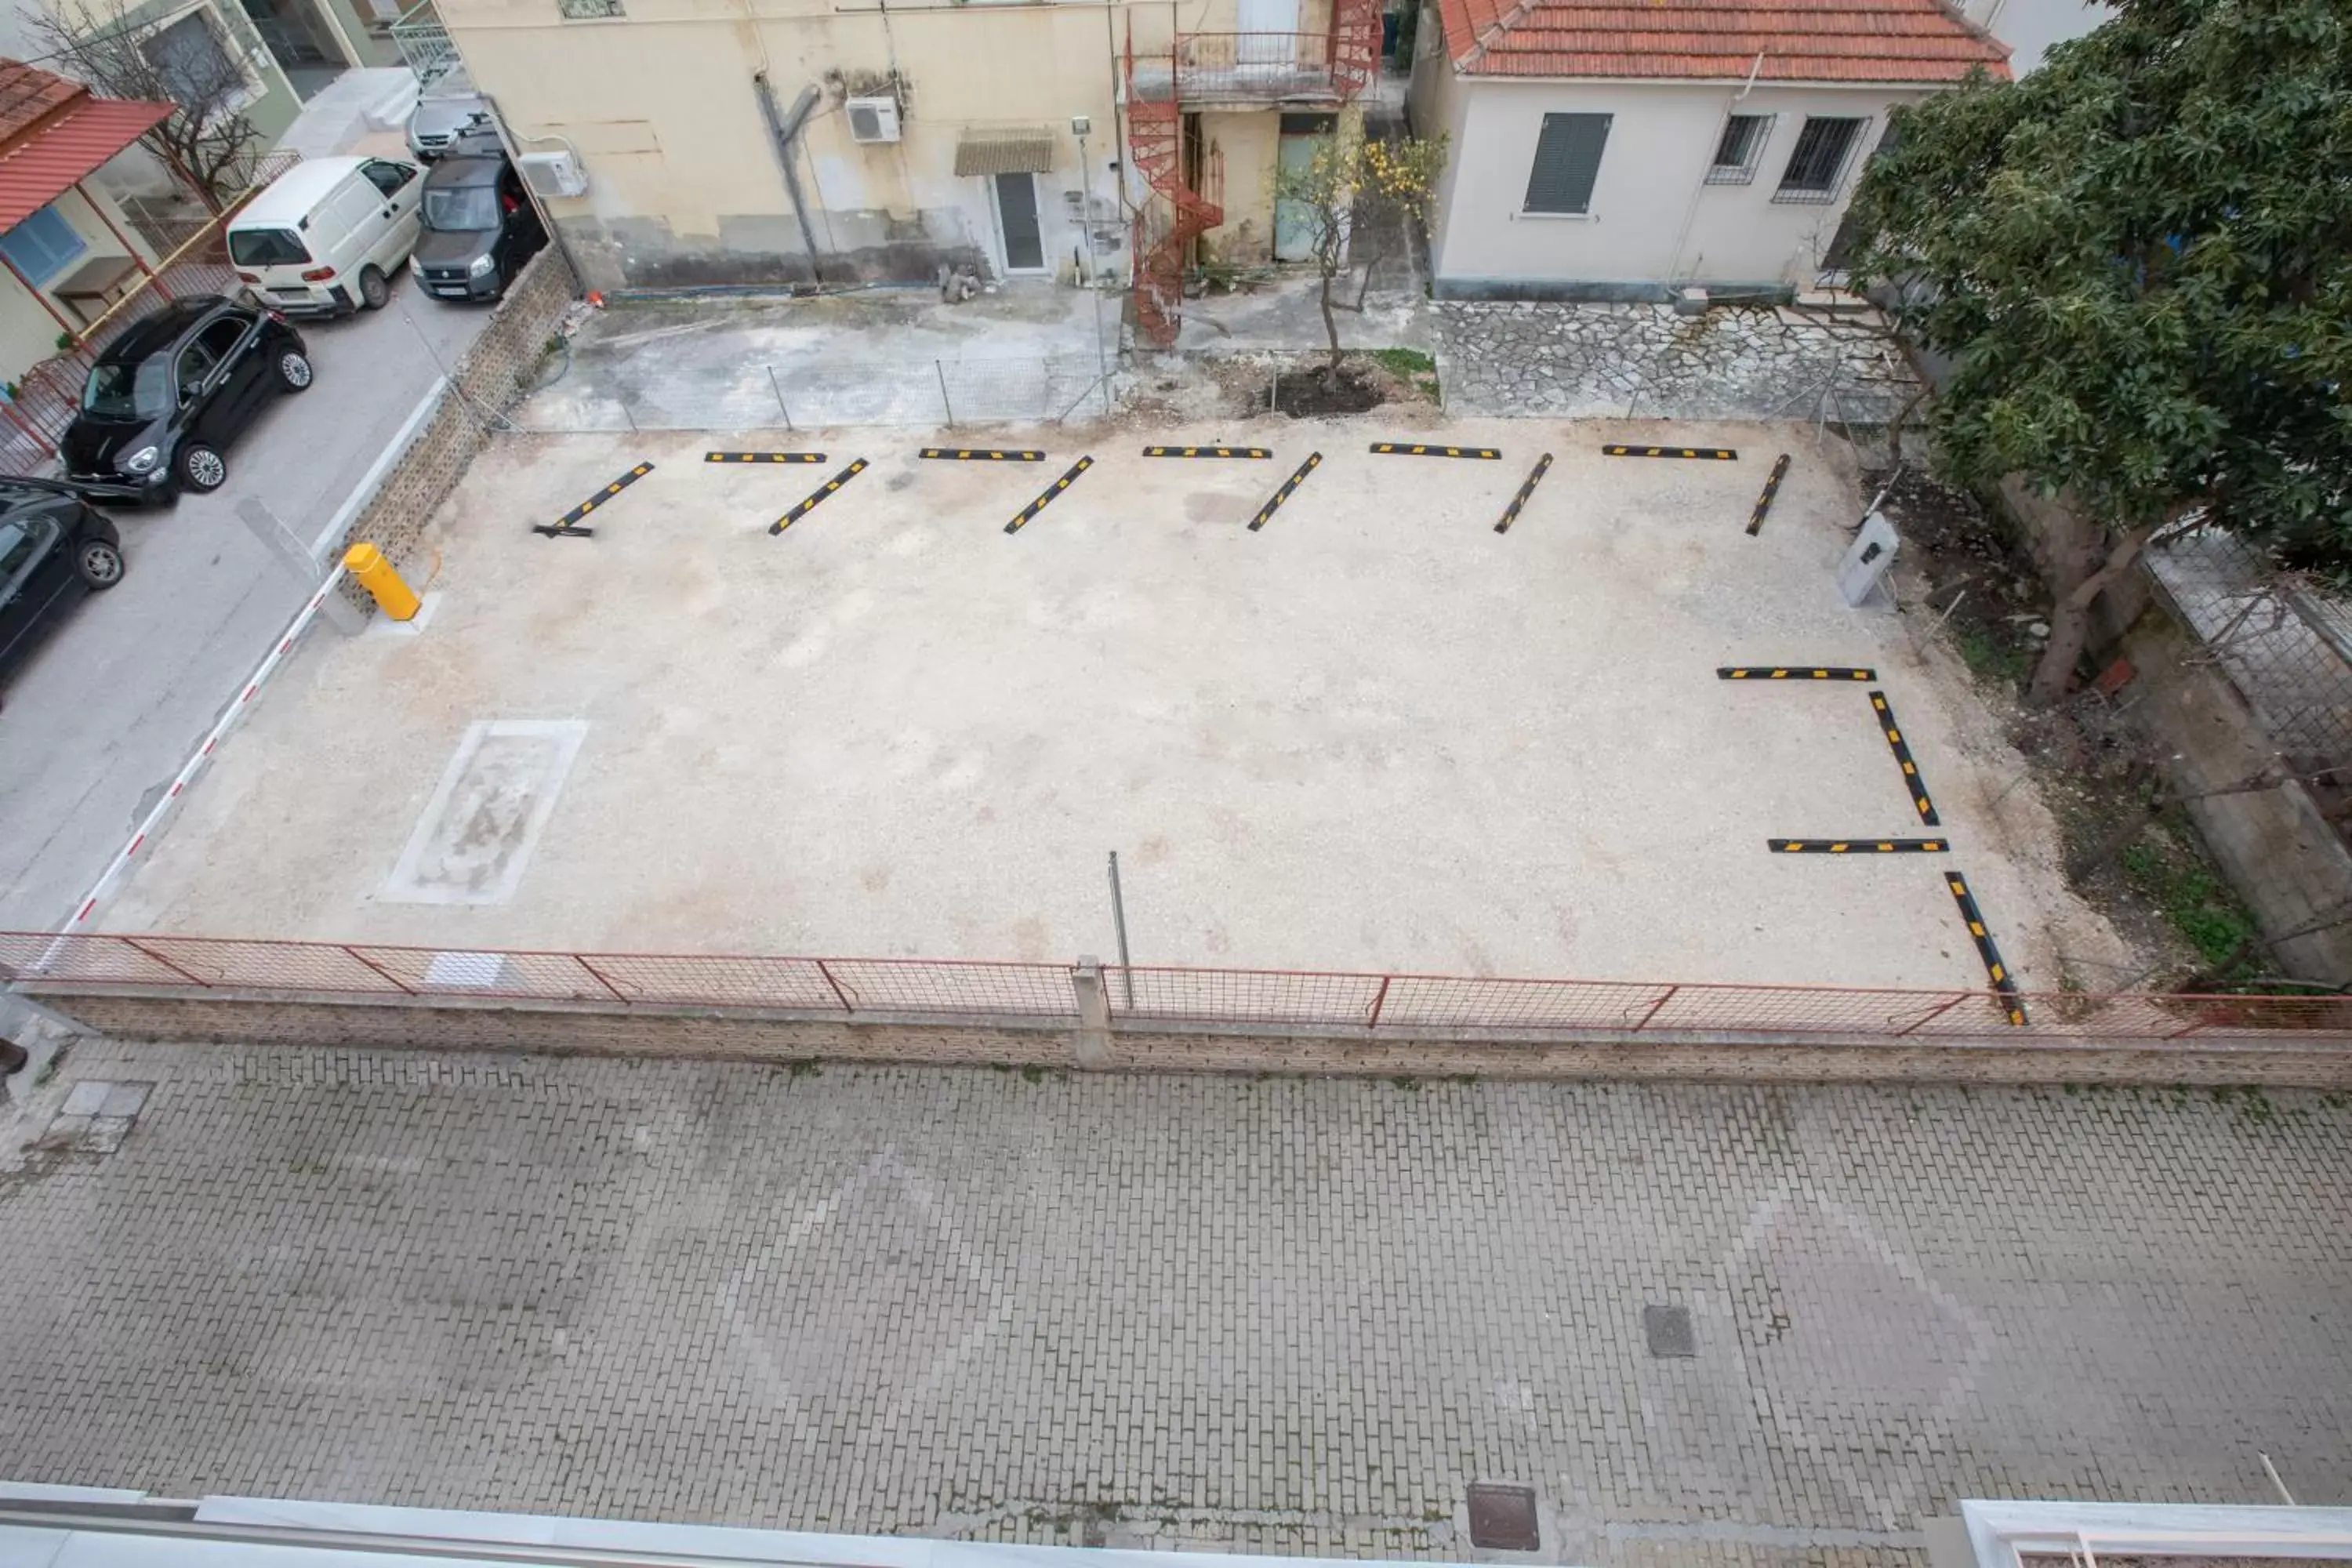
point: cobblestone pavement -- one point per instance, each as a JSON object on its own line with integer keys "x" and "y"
{"x": 1287, "y": 1315}
{"x": 1644, "y": 360}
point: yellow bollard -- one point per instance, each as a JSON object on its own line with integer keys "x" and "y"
{"x": 367, "y": 565}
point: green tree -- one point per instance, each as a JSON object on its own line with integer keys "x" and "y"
{"x": 1354, "y": 180}
{"x": 2139, "y": 258}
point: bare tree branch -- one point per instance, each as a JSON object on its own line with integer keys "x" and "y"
{"x": 209, "y": 141}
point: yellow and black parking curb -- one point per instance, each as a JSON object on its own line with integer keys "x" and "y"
{"x": 569, "y": 527}
{"x": 1314, "y": 460}
{"x": 1902, "y": 750}
{"x": 1421, "y": 450}
{"x": 1858, "y": 846}
{"x": 763, "y": 456}
{"x": 1720, "y": 454}
{"x": 1021, "y": 518}
{"x": 1208, "y": 451}
{"x": 1794, "y": 672}
{"x": 1771, "y": 489}
{"x": 818, "y": 496}
{"x": 985, "y": 454}
{"x": 1511, "y": 512}
{"x": 2002, "y": 981}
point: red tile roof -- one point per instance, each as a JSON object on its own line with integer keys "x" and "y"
{"x": 29, "y": 95}
{"x": 53, "y": 133}
{"x": 1891, "y": 41}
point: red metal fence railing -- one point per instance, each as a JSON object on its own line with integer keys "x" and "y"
{"x": 1389, "y": 1004}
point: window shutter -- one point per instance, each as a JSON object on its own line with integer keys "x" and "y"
{"x": 1568, "y": 162}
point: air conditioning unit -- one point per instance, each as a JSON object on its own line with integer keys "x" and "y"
{"x": 872, "y": 118}
{"x": 553, "y": 174}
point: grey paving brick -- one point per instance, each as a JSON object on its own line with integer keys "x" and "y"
{"x": 1277, "y": 1316}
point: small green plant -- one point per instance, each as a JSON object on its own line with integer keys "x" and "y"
{"x": 64, "y": 342}
{"x": 1405, "y": 363}
{"x": 1987, "y": 657}
{"x": 2192, "y": 899}
{"x": 1407, "y": 1082}
{"x": 1033, "y": 1073}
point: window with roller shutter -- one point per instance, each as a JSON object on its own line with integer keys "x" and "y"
{"x": 1567, "y": 162}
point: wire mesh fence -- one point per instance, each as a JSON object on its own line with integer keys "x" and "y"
{"x": 804, "y": 396}
{"x": 2284, "y": 642}
{"x": 1376, "y": 1005}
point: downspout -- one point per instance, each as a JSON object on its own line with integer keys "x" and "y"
{"x": 785, "y": 130}
{"x": 1690, "y": 212}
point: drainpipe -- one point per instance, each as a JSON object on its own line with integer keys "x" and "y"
{"x": 785, "y": 129}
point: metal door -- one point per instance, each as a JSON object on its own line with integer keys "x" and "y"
{"x": 1016, "y": 221}
{"x": 1295, "y": 222}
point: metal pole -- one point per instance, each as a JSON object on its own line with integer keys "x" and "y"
{"x": 1094, "y": 278}
{"x": 781, "y": 406}
{"x": 1118, "y": 919}
{"x": 940, "y": 366}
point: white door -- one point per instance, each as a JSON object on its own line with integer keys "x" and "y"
{"x": 1267, "y": 47}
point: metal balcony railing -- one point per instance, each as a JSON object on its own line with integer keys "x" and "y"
{"x": 423, "y": 42}
{"x": 1242, "y": 68}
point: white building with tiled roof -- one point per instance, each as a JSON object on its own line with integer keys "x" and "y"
{"x": 1620, "y": 149}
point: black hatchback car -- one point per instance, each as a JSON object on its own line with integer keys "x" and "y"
{"x": 167, "y": 397}
{"x": 479, "y": 225}
{"x": 53, "y": 550}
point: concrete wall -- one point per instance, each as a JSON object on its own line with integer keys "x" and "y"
{"x": 2030, "y": 26}
{"x": 980, "y": 1039}
{"x": 28, "y": 332}
{"x": 1250, "y": 143}
{"x": 1655, "y": 221}
{"x": 685, "y": 182}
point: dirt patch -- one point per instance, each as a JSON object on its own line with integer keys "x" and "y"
{"x": 1314, "y": 393}
{"x": 2130, "y": 850}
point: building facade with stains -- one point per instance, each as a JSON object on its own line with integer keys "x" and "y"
{"x": 785, "y": 142}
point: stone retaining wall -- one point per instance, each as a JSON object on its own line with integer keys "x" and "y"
{"x": 557, "y": 1029}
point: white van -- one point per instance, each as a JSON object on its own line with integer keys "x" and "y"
{"x": 327, "y": 236}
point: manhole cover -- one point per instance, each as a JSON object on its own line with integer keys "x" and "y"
{"x": 1668, "y": 1330}
{"x": 1503, "y": 1517}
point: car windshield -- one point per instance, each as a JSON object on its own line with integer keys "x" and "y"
{"x": 137, "y": 390}
{"x": 457, "y": 209}
{"x": 265, "y": 247}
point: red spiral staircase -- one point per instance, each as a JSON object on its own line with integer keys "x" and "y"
{"x": 1225, "y": 69}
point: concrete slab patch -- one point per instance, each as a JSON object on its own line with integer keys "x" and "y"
{"x": 476, "y": 835}
{"x": 87, "y": 1097}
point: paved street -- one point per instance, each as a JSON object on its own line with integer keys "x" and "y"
{"x": 1288, "y": 1315}
{"x": 100, "y": 719}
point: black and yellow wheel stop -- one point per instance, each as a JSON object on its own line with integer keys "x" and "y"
{"x": 1995, "y": 970}
{"x": 1902, "y": 750}
{"x": 1021, "y": 518}
{"x": 817, "y": 497}
{"x": 985, "y": 454}
{"x": 1511, "y": 512}
{"x": 569, "y": 526}
{"x": 1423, "y": 449}
{"x": 763, "y": 456}
{"x": 1794, "y": 672}
{"x": 1314, "y": 461}
{"x": 1208, "y": 451}
{"x": 1720, "y": 454}
{"x": 1771, "y": 489}
{"x": 1858, "y": 846}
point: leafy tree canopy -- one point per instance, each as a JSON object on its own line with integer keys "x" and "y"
{"x": 2140, "y": 258}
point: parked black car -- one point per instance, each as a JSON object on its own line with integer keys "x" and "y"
{"x": 479, "y": 225}
{"x": 169, "y": 395}
{"x": 53, "y": 550}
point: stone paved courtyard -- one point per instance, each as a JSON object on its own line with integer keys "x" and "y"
{"x": 1626, "y": 362}
{"x": 1284, "y": 1315}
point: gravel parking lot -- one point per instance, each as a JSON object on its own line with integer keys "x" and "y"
{"x": 1375, "y": 734}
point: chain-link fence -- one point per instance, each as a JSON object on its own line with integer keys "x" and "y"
{"x": 2285, "y": 641}
{"x": 805, "y": 396}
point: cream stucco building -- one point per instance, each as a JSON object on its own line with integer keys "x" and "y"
{"x": 1713, "y": 146}
{"x": 746, "y": 142}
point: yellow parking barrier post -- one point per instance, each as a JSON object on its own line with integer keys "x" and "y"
{"x": 368, "y": 567}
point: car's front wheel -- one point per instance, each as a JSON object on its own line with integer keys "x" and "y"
{"x": 201, "y": 469}
{"x": 99, "y": 564}
{"x": 294, "y": 370}
{"x": 373, "y": 289}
